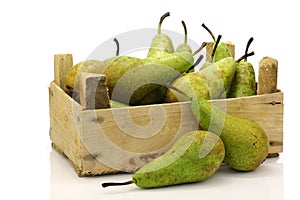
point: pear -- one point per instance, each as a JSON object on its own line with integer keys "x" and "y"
{"x": 142, "y": 84}
{"x": 209, "y": 83}
{"x": 116, "y": 104}
{"x": 210, "y": 61}
{"x": 243, "y": 83}
{"x": 72, "y": 76}
{"x": 184, "y": 47}
{"x": 246, "y": 142}
{"x": 71, "y": 84}
{"x": 222, "y": 50}
{"x": 116, "y": 67}
{"x": 195, "y": 157}
{"x": 161, "y": 42}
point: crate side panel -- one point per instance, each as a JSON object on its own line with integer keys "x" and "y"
{"x": 63, "y": 131}
{"x": 134, "y": 136}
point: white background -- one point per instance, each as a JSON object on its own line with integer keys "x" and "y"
{"x": 33, "y": 31}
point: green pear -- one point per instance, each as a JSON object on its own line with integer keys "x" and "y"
{"x": 245, "y": 141}
{"x": 139, "y": 82}
{"x": 71, "y": 83}
{"x": 222, "y": 50}
{"x": 116, "y": 104}
{"x": 143, "y": 84}
{"x": 210, "y": 61}
{"x": 181, "y": 62}
{"x": 184, "y": 47}
{"x": 116, "y": 67}
{"x": 195, "y": 157}
{"x": 243, "y": 83}
{"x": 161, "y": 42}
{"x": 208, "y": 83}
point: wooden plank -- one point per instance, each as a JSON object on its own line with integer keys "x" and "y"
{"x": 93, "y": 91}
{"x": 267, "y": 75}
{"x": 62, "y": 64}
{"x": 66, "y": 130}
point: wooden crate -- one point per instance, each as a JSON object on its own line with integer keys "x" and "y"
{"x": 111, "y": 140}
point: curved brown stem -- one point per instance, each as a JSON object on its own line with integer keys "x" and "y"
{"x": 215, "y": 46}
{"x": 118, "y": 46}
{"x": 185, "y": 31}
{"x": 245, "y": 56}
{"x": 248, "y": 45}
{"x": 211, "y": 34}
{"x": 167, "y": 14}
{"x": 200, "y": 48}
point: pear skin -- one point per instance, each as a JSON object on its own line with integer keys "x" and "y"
{"x": 196, "y": 156}
{"x": 222, "y": 51}
{"x": 243, "y": 83}
{"x": 116, "y": 67}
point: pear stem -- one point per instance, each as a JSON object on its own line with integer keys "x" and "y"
{"x": 104, "y": 185}
{"x": 247, "y": 47}
{"x": 245, "y": 56}
{"x": 215, "y": 46}
{"x": 167, "y": 14}
{"x": 211, "y": 34}
{"x": 200, "y": 48}
{"x": 118, "y": 46}
{"x": 196, "y": 63}
{"x": 185, "y": 32}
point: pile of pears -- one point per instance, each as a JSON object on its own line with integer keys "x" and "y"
{"x": 134, "y": 81}
{"x": 168, "y": 75}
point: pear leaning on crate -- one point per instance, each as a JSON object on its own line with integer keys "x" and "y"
{"x": 71, "y": 82}
{"x": 245, "y": 141}
{"x": 194, "y": 157}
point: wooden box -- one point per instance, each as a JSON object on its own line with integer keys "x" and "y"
{"x": 111, "y": 140}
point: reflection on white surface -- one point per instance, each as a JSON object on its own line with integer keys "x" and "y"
{"x": 266, "y": 182}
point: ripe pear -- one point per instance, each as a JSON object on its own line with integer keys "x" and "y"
{"x": 208, "y": 83}
{"x": 161, "y": 42}
{"x": 116, "y": 67}
{"x": 71, "y": 85}
{"x": 210, "y": 61}
{"x": 243, "y": 83}
{"x": 72, "y": 76}
{"x": 184, "y": 47}
{"x": 246, "y": 142}
{"x": 222, "y": 50}
{"x": 195, "y": 157}
{"x": 143, "y": 84}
